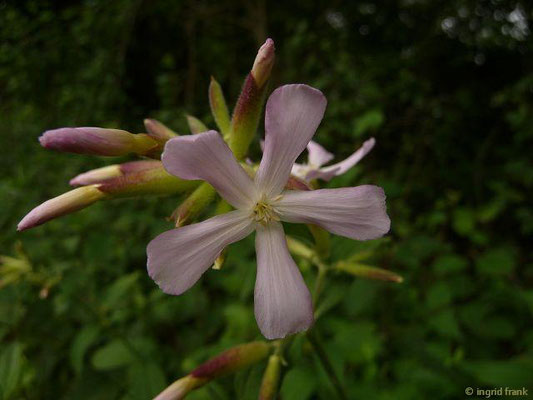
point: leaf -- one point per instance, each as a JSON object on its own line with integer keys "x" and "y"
{"x": 449, "y": 263}
{"x": 11, "y": 368}
{"x": 299, "y": 383}
{"x": 83, "y": 340}
{"x": 496, "y": 261}
{"x": 113, "y": 355}
{"x": 510, "y": 373}
{"x": 146, "y": 380}
{"x": 370, "y": 120}
{"x": 120, "y": 290}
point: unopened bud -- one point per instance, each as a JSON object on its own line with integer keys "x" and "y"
{"x": 248, "y": 109}
{"x": 269, "y": 384}
{"x": 263, "y": 62}
{"x": 112, "y": 171}
{"x": 158, "y": 130}
{"x": 366, "y": 271}
{"x": 194, "y": 204}
{"x": 232, "y": 360}
{"x": 67, "y": 203}
{"x": 219, "y": 108}
{"x": 195, "y": 125}
{"x": 179, "y": 389}
{"x": 150, "y": 181}
{"x": 99, "y": 141}
{"x": 225, "y": 363}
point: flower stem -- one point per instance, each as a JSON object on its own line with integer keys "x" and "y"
{"x": 326, "y": 364}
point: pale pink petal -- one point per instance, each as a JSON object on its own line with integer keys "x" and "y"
{"x": 318, "y": 155}
{"x": 321, "y": 174}
{"x": 293, "y": 113}
{"x": 282, "y": 301}
{"x": 177, "y": 258}
{"x": 299, "y": 170}
{"x": 207, "y": 157}
{"x": 355, "y": 212}
{"x": 343, "y": 166}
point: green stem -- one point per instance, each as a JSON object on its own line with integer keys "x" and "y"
{"x": 319, "y": 283}
{"x": 326, "y": 364}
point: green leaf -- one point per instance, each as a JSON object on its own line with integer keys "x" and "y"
{"x": 370, "y": 120}
{"x": 510, "y": 373}
{"x": 121, "y": 289}
{"x": 449, "y": 263}
{"x": 146, "y": 380}
{"x": 83, "y": 340}
{"x": 11, "y": 368}
{"x": 113, "y": 355}
{"x": 496, "y": 261}
{"x": 299, "y": 383}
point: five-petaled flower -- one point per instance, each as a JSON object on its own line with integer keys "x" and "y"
{"x": 318, "y": 156}
{"x": 283, "y": 305}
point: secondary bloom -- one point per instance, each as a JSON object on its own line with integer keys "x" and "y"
{"x": 318, "y": 156}
{"x": 177, "y": 258}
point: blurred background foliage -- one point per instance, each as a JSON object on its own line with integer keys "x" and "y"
{"x": 445, "y": 87}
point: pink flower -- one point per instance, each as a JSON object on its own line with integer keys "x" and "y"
{"x": 318, "y": 156}
{"x": 177, "y": 258}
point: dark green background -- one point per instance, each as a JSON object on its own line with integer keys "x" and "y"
{"x": 445, "y": 87}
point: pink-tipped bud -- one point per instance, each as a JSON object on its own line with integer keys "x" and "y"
{"x": 98, "y": 141}
{"x": 96, "y": 175}
{"x": 263, "y": 62}
{"x": 112, "y": 171}
{"x": 229, "y": 361}
{"x": 158, "y": 130}
{"x": 179, "y": 389}
{"x": 65, "y": 204}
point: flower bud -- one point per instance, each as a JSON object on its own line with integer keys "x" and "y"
{"x": 179, "y": 389}
{"x": 112, "y": 171}
{"x": 66, "y": 203}
{"x": 232, "y": 360}
{"x": 99, "y": 141}
{"x": 225, "y": 363}
{"x": 195, "y": 125}
{"x": 248, "y": 109}
{"x": 366, "y": 271}
{"x": 158, "y": 130}
{"x": 150, "y": 181}
{"x": 269, "y": 384}
{"x": 219, "y": 109}
{"x": 263, "y": 62}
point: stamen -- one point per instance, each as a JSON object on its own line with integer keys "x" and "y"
{"x": 263, "y": 212}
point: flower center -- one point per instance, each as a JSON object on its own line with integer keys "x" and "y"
{"x": 263, "y": 212}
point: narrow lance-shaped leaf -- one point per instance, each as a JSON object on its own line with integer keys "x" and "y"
{"x": 219, "y": 108}
{"x": 195, "y": 125}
